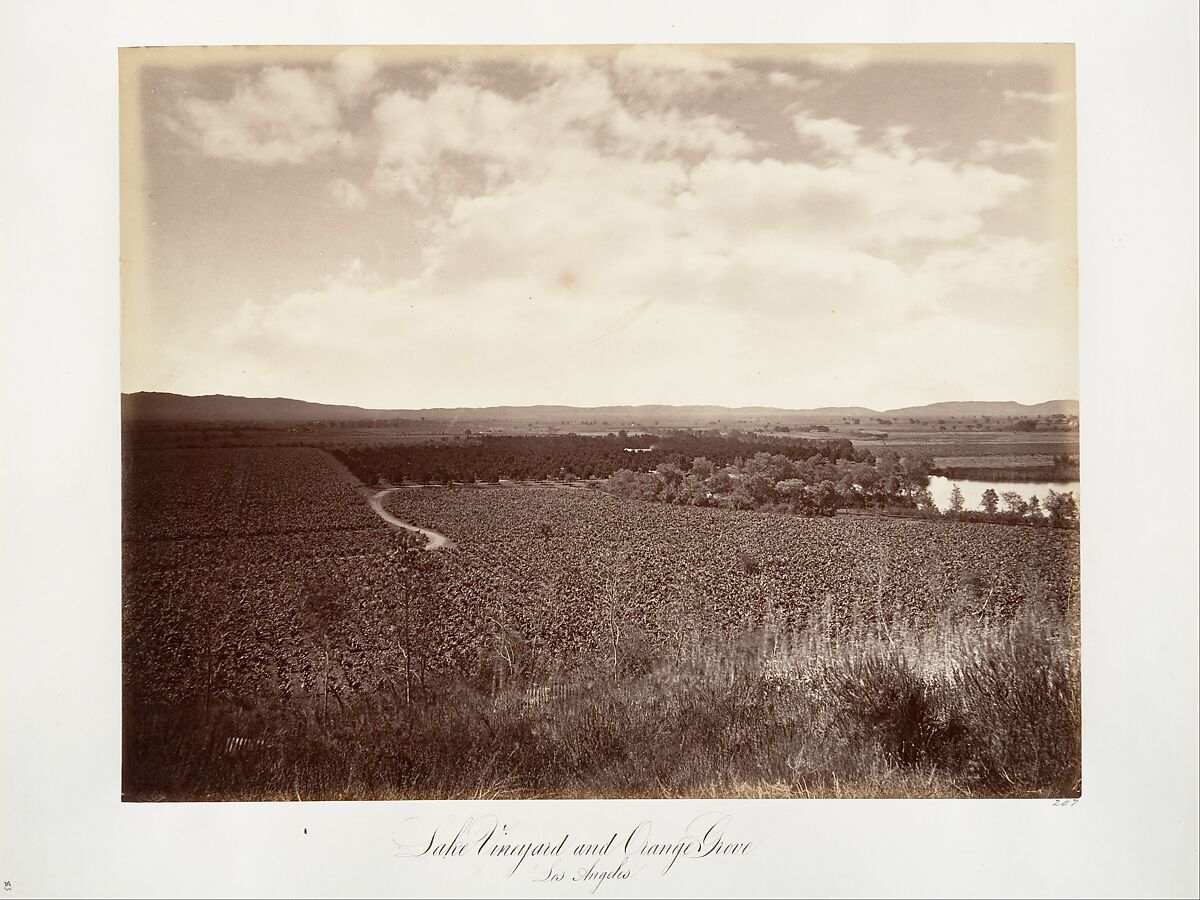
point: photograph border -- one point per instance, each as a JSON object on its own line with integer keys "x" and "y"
{"x": 64, "y": 831}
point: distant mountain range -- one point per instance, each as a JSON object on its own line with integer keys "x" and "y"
{"x": 148, "y": 406}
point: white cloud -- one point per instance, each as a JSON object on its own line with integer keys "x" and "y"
{"x": 346, "y": 194}
{"x": 836, "y": 134}
{"x": 668, "y": 70}
{"x": 1012, "y": 96}
{"x": 992, "y": 149}
{"x": 355, "y": 74}
{"x": 860, "y": 193}
{"x": 565, "y": 125}
{"x": 574, "y": 231}
{"x": 626, "y": 265}
{"x": 791, "y": 82}
{"x": 840, "y": 58}
{"x": 997, "y": 279}
{"x": 1010, "y": 264}
{"x": 281, "y": 115}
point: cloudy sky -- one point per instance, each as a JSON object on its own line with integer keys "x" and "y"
{"x": 794, "y": 227}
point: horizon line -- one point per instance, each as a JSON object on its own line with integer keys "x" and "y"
{"x": 597, "y": 406}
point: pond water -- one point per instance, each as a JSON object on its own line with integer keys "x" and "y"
{"x": 972, "y": 491}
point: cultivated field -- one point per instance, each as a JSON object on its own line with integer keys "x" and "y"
{"x": 992, "y": 451}
{"x": 562, "y": 549}
{"x": 281, "y": 640}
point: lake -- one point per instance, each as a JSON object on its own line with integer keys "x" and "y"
{"x": 940, "y": 487}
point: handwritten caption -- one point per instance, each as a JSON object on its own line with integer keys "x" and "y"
{"x": 590, "y": 861}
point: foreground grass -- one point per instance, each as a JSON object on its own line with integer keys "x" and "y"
{"x": 958, "y": 710}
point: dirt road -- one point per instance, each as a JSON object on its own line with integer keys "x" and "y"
{"x": 437, "y": 540}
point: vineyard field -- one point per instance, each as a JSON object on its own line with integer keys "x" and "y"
{"x": 265, "y": 602}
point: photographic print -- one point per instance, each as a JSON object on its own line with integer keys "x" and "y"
{"x": 664, "y": 421}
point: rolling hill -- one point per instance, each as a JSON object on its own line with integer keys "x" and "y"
{"x": 155, "y": 407}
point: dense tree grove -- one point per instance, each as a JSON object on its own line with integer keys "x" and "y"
{"x": 732, "y": 470}
{"x": 816, "y": 486}
{"x": 820, "y": 487}
{"x": 571, "y": 456}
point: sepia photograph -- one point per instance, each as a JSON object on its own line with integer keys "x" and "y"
{"x": 548, "y": 450}
{"x": 599, "y": 422}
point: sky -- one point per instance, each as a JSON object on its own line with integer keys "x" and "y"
{"x": 792, "y": 226}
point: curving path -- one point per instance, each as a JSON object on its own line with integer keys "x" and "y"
{"x": 437, "y": 540}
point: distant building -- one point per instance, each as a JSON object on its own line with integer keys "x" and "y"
{"x": 638, "y": 449}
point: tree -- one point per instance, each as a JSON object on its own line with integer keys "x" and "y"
{"x": 989, "y": 502}
{"x": 693, "y": 491}
{"x": 792, "y": 491}
{"x": 924, "y": 499}
{"x": 888, "y": 464}
{"x": 824, "y": 498}
{"x": 720, "y": 482}
{"x": 761, "y": 488}
{"x": 670, "y": 473}
{"x": 1061, "y": 508}
{"x": 1035, "y": 507}
{"x": 956, "y": 500}
{"x": 1015, "y": 503}
{"x": 740, "y": 497}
